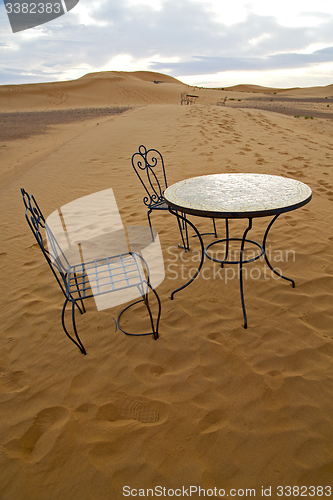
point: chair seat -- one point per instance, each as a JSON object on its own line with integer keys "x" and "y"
{"x": 104, "y": 275}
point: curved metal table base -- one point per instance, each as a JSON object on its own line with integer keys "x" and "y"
{"x": 240, "y": 262}
{"x": 266, "y": 258}
{"x": 202, "y": 251}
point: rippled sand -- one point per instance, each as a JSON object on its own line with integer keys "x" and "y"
{"x": 208, "y": 404}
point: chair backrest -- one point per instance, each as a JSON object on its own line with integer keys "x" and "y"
{"x": 149, "y": 167}
{"x": 46, "y": 240}
{"x": 184, "y": 98}
{"x": 79, "y": 231}
{"x": 89, "y": 228}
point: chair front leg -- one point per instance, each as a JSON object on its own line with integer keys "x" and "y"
{"x": 79, "y": 293}
{"x": 77, "y": 342}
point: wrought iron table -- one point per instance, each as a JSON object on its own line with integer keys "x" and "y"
{"x": 236, "y": 196}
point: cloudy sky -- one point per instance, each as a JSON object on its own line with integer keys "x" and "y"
{"x": 284, "y": 43}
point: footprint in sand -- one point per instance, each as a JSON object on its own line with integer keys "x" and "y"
{"x": 290, "y": 221}
{"x": 86, "y": 411}
{"x": 131, "y": 409}
{"x": 11, "y": 381}
{"x": 325, "y": 184}
{"x": 297, "y": 173}
{"x": 41, "y": 436}
{"x": 148, "y": 371}
{"x": 274, "y": 379}
{"x": 82, "y": 381}
{"x": 212, "y": 421}
{"x": 137, "y": 410}
{"x": 326, "y": 188}
{"x": 260, "y": 160}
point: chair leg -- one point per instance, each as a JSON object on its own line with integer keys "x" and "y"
{"x": 151, "y": 229}
{"x": 79, "y": 292}
{"x": 155, "y": 330}
{"x": 182, "y": 225}
{"x": 77, "y": 342}
{"x": 83, "y": 310}
{"x": 182, "y": 229}
{"x": 215, "y": 232}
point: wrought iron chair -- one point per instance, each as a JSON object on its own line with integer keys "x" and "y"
{"x": 183, "y": 98}
{"x": 188, "y": 98}
{"x": 149, "y": 167}
{"x": 71, "y": 240}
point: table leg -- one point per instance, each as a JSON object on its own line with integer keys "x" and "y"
{"x": 181, "y": 216}
{"x": 226, "y": 241}
{"x": 266, "y": 258}
{"x": 241, "y": 271}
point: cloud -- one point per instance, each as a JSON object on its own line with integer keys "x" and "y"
{"x": 183, "y": 31}
{"x": 203, "y": 65}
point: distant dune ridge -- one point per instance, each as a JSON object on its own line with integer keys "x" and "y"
{"x": 119, "y": 88}
{"x": 94, "y": 89}
{"x": 208, "y": 404}
{"x": 322, "y": 91}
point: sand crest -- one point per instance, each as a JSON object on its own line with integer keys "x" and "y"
{"x": 208, "y": 404}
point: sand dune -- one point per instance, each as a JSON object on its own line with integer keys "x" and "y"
{"x": 260, "y": 89}
{"x": 93, "y": 90}
{"x": 208, "y": 404}
{"x": 119, "y": 88}
{"x": 322, "y": 91}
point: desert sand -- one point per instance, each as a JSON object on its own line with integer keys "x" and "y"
{"x": 209, "y": 404}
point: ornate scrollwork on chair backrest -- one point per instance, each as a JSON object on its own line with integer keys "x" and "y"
{"x": 149, "y": 167}
{"x": 54, "y": 255}
{"x": 34, "y": 217}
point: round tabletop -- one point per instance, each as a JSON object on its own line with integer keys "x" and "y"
{"x": 237, "y": 195}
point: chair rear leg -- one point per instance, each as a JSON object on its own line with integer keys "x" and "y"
{"x": 155, "y": 330}
{"x": 77, "y": 342}
{"x": 182, "y": 225}
{"x": 215, "y": 232}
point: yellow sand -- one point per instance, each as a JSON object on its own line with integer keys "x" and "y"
{"x": 208, "y": 404}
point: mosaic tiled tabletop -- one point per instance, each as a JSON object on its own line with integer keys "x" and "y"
{"x": 237, "y": 195}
